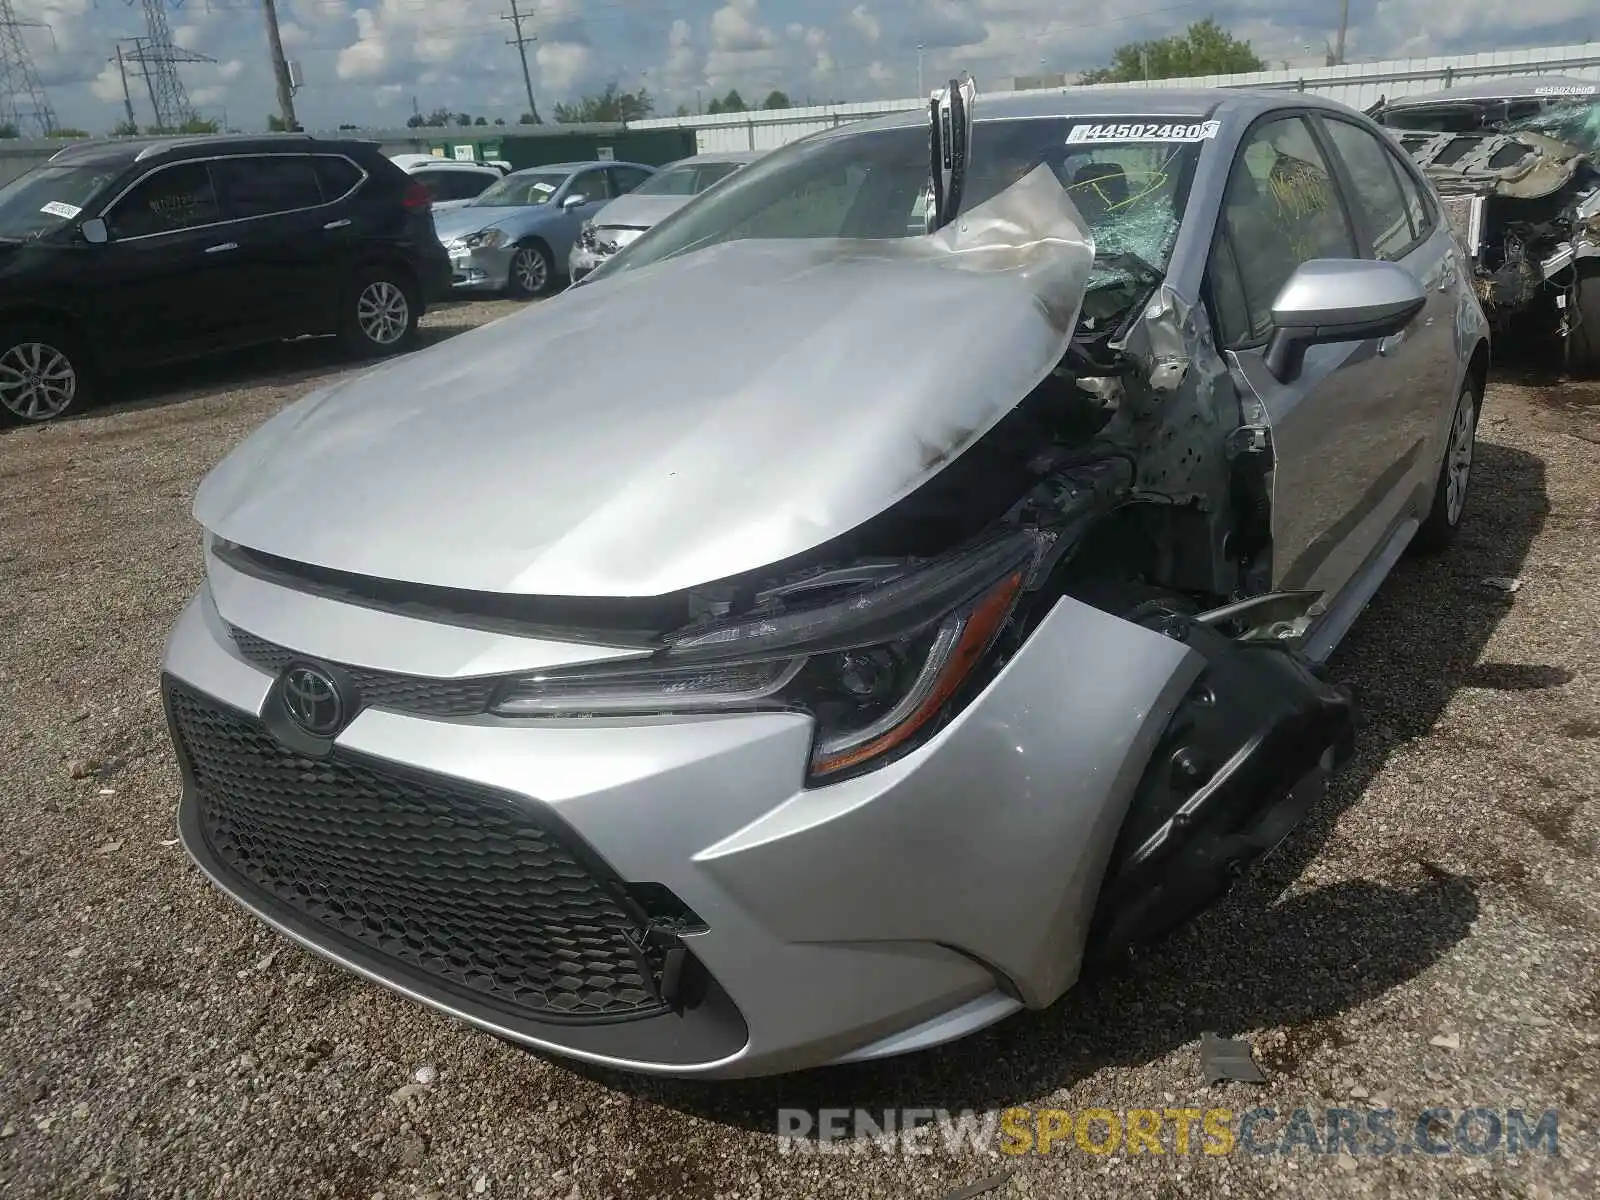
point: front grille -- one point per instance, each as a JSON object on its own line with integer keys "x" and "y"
{"x": 462, "y": 887}
{"x": 385, "y": 689}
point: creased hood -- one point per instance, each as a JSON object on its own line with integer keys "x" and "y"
{"x": 674, "y": 424}
{"x": 639, "y": 212}
{"x": 469, "y": 218}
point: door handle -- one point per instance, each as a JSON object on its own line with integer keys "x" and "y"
{"x": 220, "y": 247}
{"x": 339, "y": 224}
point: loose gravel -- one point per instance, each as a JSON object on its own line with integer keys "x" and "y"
{"x": 1430, "y": 936}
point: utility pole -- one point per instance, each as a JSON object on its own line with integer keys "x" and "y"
{"x": 127, "y": 96}
{"x": 920, "y": 92}
{"x": 521, "y": 42}
{"x": 1344, "y": 24}
{"x": 280, "y": 67}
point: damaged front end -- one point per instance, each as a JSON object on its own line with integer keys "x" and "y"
{"x": 1526, "y": 207}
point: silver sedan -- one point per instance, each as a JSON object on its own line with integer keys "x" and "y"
{"x": 899, "y": 580}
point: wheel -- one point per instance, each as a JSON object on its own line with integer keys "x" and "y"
{"x": 1583, "y": 338}
{"x": 1455, "y": 476}
{"x": 532, "y": 272}
{"x": 380, "y": 314}
{"x": 44, "y": 375}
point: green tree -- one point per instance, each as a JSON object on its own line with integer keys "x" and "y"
{"x": 1205, "y": 48}
{"x": 480, "y": 120}
{"x": 608, "y": 107}
{"x": 8, "y": 130}
{"x": 681, "y": 111}
{"x": 731, "y": 103}
{"x": 529, "y": 118}
{"x": 124, "y": 129}
{"x": 275, "y": 123}
{"x": 499, "y": 120}
{"x": 67, "y": 132}
{"x": 776, "y": 99}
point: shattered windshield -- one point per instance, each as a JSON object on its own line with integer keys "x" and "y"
{"x": 1130, "y": 183}
{"x": 48, "y": 197}
{"x": 1577, "y": 124}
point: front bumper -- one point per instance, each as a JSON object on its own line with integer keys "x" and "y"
{"x": 474, "y": 270}
{"x": 582, "y": 260}
{"x": 883, "y": 914}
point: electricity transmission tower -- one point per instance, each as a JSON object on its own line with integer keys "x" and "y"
{"x": 158, "y": 61}
{"x": 19, "y": 80}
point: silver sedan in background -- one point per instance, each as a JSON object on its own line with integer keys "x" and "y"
{"x": 515, "y": 237}
{"x": 623, "y": 221}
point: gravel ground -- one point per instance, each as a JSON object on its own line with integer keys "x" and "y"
{"x": 1431, "y": 936}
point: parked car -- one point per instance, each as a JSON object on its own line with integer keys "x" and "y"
{"x": 855, "y": 607}
{"x": 451, "y": 184}
{"x": 123, "y": 254}
{"x": 517, "y": 235}
{"x": 623, "y": 220}
{"x": 1517, "y": 162}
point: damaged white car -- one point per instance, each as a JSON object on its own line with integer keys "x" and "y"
{"x": 944, "y": 612}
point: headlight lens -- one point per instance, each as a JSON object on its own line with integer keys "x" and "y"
{"x": 488, "y": 239}
{"x": 586, "y": 235}
{"x": 874, "y": 669}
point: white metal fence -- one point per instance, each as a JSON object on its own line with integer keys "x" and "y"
{"x": 1355, "y": 84}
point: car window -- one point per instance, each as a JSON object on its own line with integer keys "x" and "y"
{"x": 174, "y": 198}
{"x": 592, "y": 186}
{"x": 261, "y": 185}
{"x": 47, "y": 197}
{"x": 1379, "y": 203}
{"x": 713, "y": 172}
{"x": 521, "y": 189}
{"x": 1280, "y": 209}
{"x": 625, "y": 179}
{"x": 337, "y": 175}
{"x": 1416, "y": 204}
{"x": 461, "y": 185}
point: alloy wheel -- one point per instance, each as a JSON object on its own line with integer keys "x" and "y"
{"x": 1458, "y": 460}
{"x": 383, "y": 312}
{"x": 37, "y": 381}
{"x": 530, "y": 270}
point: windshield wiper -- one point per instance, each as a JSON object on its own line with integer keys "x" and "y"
{"x": 1130, "y": 262}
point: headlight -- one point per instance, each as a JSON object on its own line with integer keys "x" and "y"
{"x": 586, "y": 235}
{"x": 874, "y": 668}
{"x": 488, "y": 239}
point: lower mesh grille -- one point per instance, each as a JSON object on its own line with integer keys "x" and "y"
{"x": 462, "y": 887}
{"x": 385, "y": 689}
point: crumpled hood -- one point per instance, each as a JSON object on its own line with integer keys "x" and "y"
{"x": 639, "y": 212}
{"x": 458, "y": 222}
{"x": 675, "y": 424}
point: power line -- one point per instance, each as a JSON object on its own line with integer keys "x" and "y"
{"x": 19, "y": 78}
{"x": 159, "y": 58}
{"x": 521, "y": 43}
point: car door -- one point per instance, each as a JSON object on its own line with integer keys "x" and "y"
{"x": 1423, "y": 357}
{"x": 167, "y": 279}
{"x": 287, "y": 243}
{"x": 561, "y": 228}
{"x": 1282, "y": 207}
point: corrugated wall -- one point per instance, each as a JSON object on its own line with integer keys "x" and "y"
{"x": 1356, "y": 84}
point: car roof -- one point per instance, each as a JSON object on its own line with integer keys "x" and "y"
{"x": 449, "y": 164}
{"x": 1119, "y": 102}
{"x": 148, "y": 148}
{"x": 1510, "y": 87}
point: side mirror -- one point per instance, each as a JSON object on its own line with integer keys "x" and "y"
{"x": 574, "y": 200}
{"x": 94, "y": 232}
{"x": 1338, "y": 300}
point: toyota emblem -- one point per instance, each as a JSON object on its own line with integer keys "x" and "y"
{"x": 312, "y": 700}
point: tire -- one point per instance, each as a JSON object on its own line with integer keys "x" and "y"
{"x": 45, "y": 375}
{"x": 1583, "y": 339}
{"x": 1455, "y": 475}
{"x": 532, "y": 273}
{"x": 380, "y": 314}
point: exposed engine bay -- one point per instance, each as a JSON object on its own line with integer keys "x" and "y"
{"x": 1520, "y": 182}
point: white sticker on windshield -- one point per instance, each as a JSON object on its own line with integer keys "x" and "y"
{"x": 541, "y": 186}
{"x": 58, "y": 209}
{"x": 1200, "y": 131}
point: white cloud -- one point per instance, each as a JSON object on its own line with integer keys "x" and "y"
{"x": 562, "y": 64}
{"x": 864, "y": 23}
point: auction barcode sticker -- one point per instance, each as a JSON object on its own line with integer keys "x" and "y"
{"x": 1148, "y": 131}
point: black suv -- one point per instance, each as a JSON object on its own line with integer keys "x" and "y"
{"x": 123, "y": 254}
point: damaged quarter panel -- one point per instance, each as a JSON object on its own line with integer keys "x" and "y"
{"x": 567, "y": 478}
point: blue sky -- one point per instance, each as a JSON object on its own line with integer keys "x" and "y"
{"x": 364, "y": 61}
